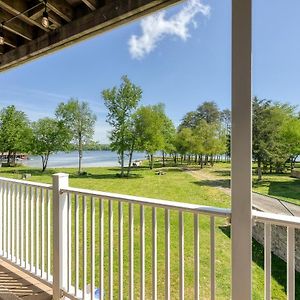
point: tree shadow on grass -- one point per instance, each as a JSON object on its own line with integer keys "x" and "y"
{"x": 279, "y": 266}
{"x": 222, "y": 172}
{"x": 33, "y": 172}
{"x": 105, "y": 176}
{"x": 73, "y": 175}
{"x": 287, "y": 189}
{"x": 224, "y": 183}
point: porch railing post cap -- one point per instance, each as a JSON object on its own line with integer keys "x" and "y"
{"x": 60, "y": 175}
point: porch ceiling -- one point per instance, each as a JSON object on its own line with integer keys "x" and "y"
{"x": 70, "y": 21}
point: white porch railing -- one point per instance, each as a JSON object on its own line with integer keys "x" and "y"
{"x": 58, "y": 234}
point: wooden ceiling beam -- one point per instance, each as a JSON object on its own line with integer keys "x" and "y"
{"x": 12, "y": 8}
{"x": 16, "y": 26}
{"x": 91, "y": 4}
{"x": 62, "y": 8}
{"x": 111, "y": 15}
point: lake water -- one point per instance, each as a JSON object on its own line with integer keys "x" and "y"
{"x": 90, "y": 159}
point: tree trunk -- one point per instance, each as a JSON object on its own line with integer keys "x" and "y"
{"x": 79, "y": 155}
{"x": 151, "y": 161}
{"x": 45, "y": 161}
{"x": 130, "y": 159}
{"x": 122, "y": 163}
{"x": 163, "y": 157}
{"x": 259, "y": 171}
{"x": 8, "y": 157}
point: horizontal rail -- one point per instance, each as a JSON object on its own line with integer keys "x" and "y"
{"x": 28, "y": 183}
{"x": 276, "y": 219}
{"x": 187, "y": 207}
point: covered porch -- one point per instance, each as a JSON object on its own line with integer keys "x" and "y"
{"x": 51, "y": 231}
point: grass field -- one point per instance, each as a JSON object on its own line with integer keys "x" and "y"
{"x": 178, "y": 186}
{"x": 280, "y": 186}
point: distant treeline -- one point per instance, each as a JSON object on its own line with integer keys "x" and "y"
{"x": 91, "y": 146}
{"x": 203, "y": 136}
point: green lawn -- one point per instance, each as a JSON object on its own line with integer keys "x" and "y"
{"x": 280, "y": 186}
{"x": 179, "y": 186}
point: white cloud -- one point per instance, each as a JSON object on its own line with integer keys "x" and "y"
{"x": 157, "y": 26}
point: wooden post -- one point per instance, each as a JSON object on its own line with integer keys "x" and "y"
{"x": 241, "y": 172}
{"x": 60, "y": 227}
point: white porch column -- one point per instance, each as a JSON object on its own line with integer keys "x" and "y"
{"x": 241, "y": 150}
{"x": 60, "y": 233}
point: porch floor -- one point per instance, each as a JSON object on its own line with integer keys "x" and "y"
{"x": 15, "y": 284}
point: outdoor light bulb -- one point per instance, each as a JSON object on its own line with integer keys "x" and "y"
{"x": 45, "y": 20}
{"x": 1, "y": 39}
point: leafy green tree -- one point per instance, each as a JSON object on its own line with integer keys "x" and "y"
{"x": 290, "y": 134}
{"x": 169, "y": 133}
{"x": 209, "y": 112}
{"x": 121, "y": 103}
{"x": 15, "y": 132}
{"x": 80, "y": 120}
{"x": 185, "y": 142}
{"x": 49, "y": 136}
{"x": 269, "y": 146}
{"x": 149, "y": 123}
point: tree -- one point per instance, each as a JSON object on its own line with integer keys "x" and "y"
{"x": 226, "y": 121}
{"x": 185, "y": 141}
{"x": 290, "y": 134}
{"x": 209, "y": 112}
{"x": 49, "y": 136}
{"x": 149, "y": 123}
{"x": 121, "y": 103}
{"x": 269, "y": 147}
{"x": 15, "y": 132}
{"x": 80, "y": 120}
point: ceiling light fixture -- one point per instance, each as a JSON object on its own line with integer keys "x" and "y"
{"x": 45, "y": 19}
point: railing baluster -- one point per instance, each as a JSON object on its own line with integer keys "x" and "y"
{"x": 142, "y": 253}
{"x": 1, "y": 220}
{"x": 181, "y": 256}
{"x": 12, "y": 221}
{"x": 17, "y": 228}
{"x": 42, "y": 253}
{"x": 120, "y": 206}
{"x": 48, "y": 235}
{"x": 131, "y": 251}
{"x": 37, "y": 241}
{"x": 154, "y": 254}
{"x": 291, "y": 263}
{"x": 21, "y": 236}
{"x": 31, "y": 228}
{"x": 5, "y": 220}
{"x": 26, "y": 226}
{"x": 17, "y": 220}
{"x": 101, "y": 238}
{"x": 3, "y": 229}
{"x": 84, "y": 252}
{"x": 76, "y": 244}
{"x": 111, "y": 249}
{"x": 267, "y": 259}
{"x": 69, "y": 241}
{"x": 167, "y": 255}
{"x": 9, "y": 221}
{"x": 212, "y": 259}
{"x": 92, "y": 248}
{"x": 196, "y": 256}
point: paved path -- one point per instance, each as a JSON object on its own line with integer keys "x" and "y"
{"x": 260, "y": 202}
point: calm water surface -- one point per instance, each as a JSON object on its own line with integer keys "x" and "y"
{"x": 90, "y": 159}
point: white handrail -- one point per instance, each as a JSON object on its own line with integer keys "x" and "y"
{"x": 29, "y": 183}
{"x": 276, "y": 219}
{"x": 187, "y": 207}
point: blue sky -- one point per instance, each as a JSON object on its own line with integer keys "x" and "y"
{"x": 180, "y": 57}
